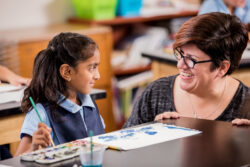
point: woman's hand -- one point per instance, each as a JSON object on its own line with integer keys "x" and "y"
{"x": 238, "y": 121}
{"x": 167, "y": 115}
{"x": 41, "y": 138}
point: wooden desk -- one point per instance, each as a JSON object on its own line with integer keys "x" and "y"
{"x": 11, "y": 120}
{"x": 12, "y": 108}
{"x": 219, "y": 144}
{"x": 165, "y": 65}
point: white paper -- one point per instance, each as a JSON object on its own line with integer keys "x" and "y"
{"x": 1, "y": 165}
{"x": 142, "y": 136}
{"x": 8, "y": 87}
{"x": 11, "y": 96}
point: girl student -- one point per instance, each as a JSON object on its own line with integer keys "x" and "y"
{"x": 63, "y": 76}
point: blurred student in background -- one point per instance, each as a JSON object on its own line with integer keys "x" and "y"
{"x": 239, "y": 8}
{"x": 12, "y": 78}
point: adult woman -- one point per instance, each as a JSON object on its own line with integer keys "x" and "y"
{"x": 240, "y": 8}
{"x": 208, "y": 48}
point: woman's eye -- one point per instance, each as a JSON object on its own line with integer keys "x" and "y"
{"x": 192, "y": 59}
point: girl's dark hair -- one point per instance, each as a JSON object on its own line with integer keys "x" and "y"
{"x": 47, "y": 83}
{"x": 221, "y": 36}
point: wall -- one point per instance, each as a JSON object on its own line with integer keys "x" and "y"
{"x": 15, "y": 14}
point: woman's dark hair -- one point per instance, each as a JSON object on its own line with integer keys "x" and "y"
{"x": 47, "y": 83}
{"x": 221, "y": 36}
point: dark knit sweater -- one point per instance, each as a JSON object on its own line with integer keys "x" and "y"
{"x": 158, "y": 98}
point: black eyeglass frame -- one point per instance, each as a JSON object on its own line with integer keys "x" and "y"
{"x": 184, "y": 57}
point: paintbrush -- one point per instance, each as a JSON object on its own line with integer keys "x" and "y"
{"x": 34, "y": 106}
{"x": 91, "y": 144}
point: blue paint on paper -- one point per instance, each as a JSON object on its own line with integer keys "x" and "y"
{"x": 144, "y": 129}
{"x": 108, "y": 138}
{"x": 128, "y": 135}
{"x": 150, "y": 132}
{"x": 127, "y": 131}
{"x": 180, "y": 128}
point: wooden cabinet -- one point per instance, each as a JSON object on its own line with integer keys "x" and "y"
{"x": 27, "y": 51}
{"x": 10, "y": 130}
{"x": 30, "y": 41}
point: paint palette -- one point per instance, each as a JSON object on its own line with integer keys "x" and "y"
{"x": 59, "y": 153}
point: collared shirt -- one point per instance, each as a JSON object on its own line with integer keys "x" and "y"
{"x": 31, "y": 120}
{"x": 219, "y": 6}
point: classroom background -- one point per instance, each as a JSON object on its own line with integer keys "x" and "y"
{"x": 127, "y": 31}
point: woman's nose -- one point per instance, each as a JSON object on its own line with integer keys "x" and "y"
{"x": 181, "y": 64}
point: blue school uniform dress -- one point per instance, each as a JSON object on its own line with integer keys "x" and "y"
{"x": 219, "y": 6}
{"x": 69, "y": 122}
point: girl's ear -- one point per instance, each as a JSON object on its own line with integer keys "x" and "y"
{"x": 224, "y": 67}
{"x": 65, "y": 71}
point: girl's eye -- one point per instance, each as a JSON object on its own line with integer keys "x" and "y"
{"x": 92, "y": 68}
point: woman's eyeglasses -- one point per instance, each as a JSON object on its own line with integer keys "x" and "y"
{"x": 188, "y": 60}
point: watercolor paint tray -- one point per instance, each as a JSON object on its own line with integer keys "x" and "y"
{"x": 59, "y": 153}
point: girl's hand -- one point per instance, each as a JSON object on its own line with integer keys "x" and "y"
{"x": 167, "y": 115}
{"x": 238, "y": 121}
{"x": 41, "y": 138}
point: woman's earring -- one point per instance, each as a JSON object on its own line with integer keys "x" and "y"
{"x": 69, "y": 79}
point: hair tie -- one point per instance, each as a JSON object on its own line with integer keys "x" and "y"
{"x": 52, "y": 48}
